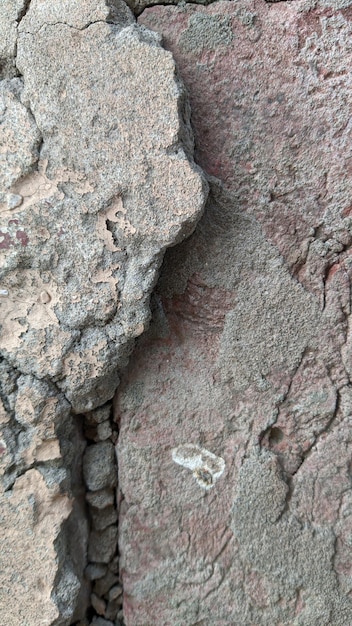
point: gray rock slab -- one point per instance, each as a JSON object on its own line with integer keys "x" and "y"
{"x": 102, "y": 545}
{"x": 99, "y": 466}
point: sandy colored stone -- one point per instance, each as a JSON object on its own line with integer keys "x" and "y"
{"x": 42, "y": 453}
{"x": 98, "y": 604}
{"x": 113, "y": 185}
{"x": 31, "y": 519}
{"x": 96, "y": 180}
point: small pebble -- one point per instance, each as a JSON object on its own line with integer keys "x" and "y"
{"x": 98, "y": 604}
{"x": 103, "y": 518}
{"x": 114, "y": 565}
{"x": 99, "y": 415}
{"x": 14, "y": 200}
{"x": 45, "y": 297}
{"x": 94, "y": 571}
{"x": 99, "y": 621}
{"x": 115, "y": 592}
{"x": 4, "y": 293}
{"x": 103, "y": 585}
{"x": 104, "y": 431}
{"x": 113, "y": 608}
{"x": 99, "y": 466}
{"x": 102, "y": 545}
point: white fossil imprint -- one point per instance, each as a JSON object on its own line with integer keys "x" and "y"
{"x": 205, "y": 466}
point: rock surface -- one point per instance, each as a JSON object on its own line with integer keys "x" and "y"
{"x": 249, "y": 354}
{"x": 103, "y": 185}
{"x": 96, "y": 180}
{"x": 43, "y": 525}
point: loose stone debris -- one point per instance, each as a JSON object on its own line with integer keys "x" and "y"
{"x": 100, "y": 476}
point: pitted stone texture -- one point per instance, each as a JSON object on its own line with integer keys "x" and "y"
{"x": 248, "y": 356}
{"x": 19, "y": 140}
{"x": 188, "y": 555}
{"x": 29, "y": 424}
{"x": 112, "y": 189}
{"x": 102, "y": 544}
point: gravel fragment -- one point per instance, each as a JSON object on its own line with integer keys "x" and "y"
{"x": 100, "y": 621}
{"x": 103, "y": 518}
{"x": 103, "y": 586}
{"x": 94, "y": 571}
{"x": 98, "y": 604}
{"x": 113, "y": 608}
{"x": 102, "y": 545}
{"x": 104, "y": 431}
{"x": 115, "y": 592}
{"x": 102, "y": 414}
{"x": 100, "y": 499}
{"x": 99, "y": 466}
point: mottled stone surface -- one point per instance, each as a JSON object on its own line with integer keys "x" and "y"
{"x": 99, "y": 466}
{"x": 249, "y": 354}
{"x": 96, "y": 180}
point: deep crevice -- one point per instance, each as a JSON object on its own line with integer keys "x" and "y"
{"x": 24, "y": 11}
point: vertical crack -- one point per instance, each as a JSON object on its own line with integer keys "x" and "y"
{"x": 23, "y": 11}
{"x": 100, "y": 475}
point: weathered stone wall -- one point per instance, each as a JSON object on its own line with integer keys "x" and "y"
{"x": 97, "y": 180}
{"x": 229, "y": 500}
{"x": 248, "y": 355}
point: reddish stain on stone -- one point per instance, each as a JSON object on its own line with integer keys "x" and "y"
{"x": 333, "y": 270}
{"x": 265, "y": 117}
{"x": 6, "y": 241}
{"x": 13, "y": 222}
{"x": 347, "y": 212}
{"x": 22, "y": 237}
